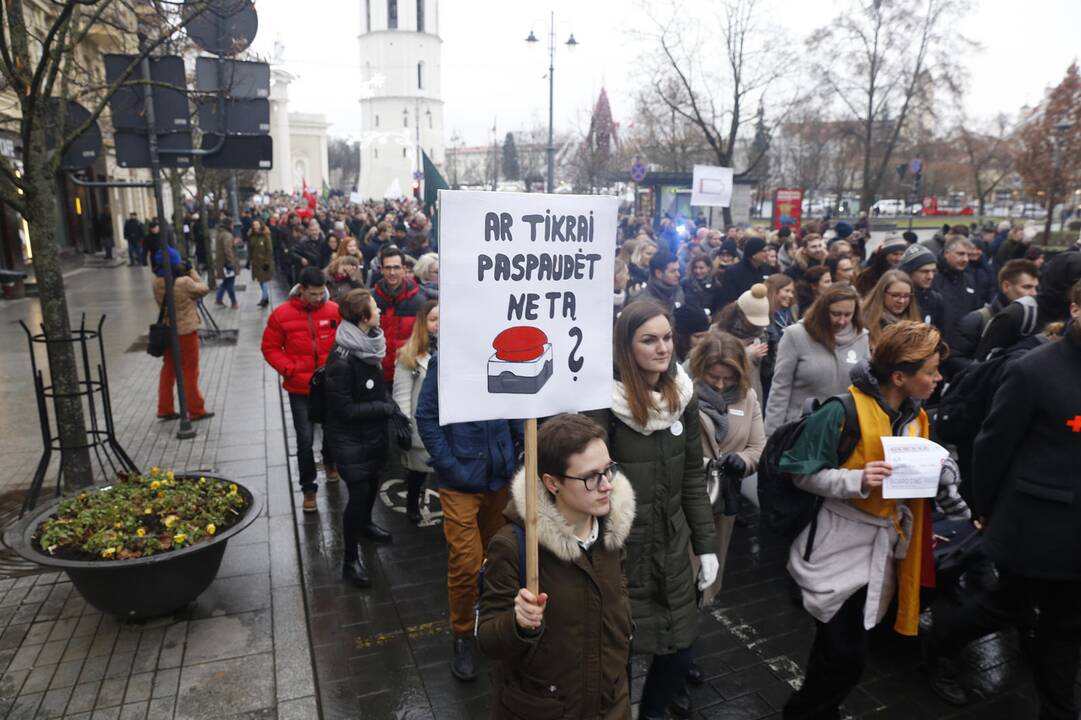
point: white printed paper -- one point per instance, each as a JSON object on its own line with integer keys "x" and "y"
{"x": 711, "y": 186}
{"x": 525, "y": 296}
{"x": 917, "y": 464}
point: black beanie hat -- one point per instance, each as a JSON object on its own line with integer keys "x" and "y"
{"x": 690, "y": 320}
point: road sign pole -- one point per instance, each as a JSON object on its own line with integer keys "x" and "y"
{"x": 186, "y": 429}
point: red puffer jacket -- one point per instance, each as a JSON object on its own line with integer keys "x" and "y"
{"x": 398, "y": 314}
{"x": 298, "y": 339}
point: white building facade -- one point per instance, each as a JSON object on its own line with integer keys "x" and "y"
{"x": 300, "y": 141}
{"x": 401, "y": 105}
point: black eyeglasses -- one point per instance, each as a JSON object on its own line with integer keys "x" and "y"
{"x": 593, "y": 481}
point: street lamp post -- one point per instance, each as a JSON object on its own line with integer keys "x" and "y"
{"x": 571, "y": 43}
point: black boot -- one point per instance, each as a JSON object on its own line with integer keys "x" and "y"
{"x": 681, "y": 704}
{"x": 354, "y": 571}
{"x": 942, "y": 672}
{"x": 694, "y": 675}
{"x": 464, "y": 665}
{"x": 375, "y": 533}
{"x": 412, "y": 506}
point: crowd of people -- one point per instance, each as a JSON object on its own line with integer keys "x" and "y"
{"x": 723, "y": 339}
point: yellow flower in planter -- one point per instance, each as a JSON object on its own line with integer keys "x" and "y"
{"x": 108, "y": 552}
{"x": 118, "y": 525}
{"x": 179, "y": 538}
{"x": 155, "y": 485}
{"x": 148, "y": 510}
{"x": 211, "y": 529}
{"x": 202, "y": 481}
{"x": 232, "y": 489}
{"x": 154, "y": 471}
{"x": 170, "y": 521}
{"x": 141, "y": 532}
{"x": 170, "y": 475}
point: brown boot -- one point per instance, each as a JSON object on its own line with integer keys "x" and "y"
{"x": 332, "y": 473}
{"x": 309, "y": 503}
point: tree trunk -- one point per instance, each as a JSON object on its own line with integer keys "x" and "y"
{"x": 1050, "y": 211}
{"x": 41, "y": 216}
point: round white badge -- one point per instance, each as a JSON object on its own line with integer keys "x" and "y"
{"x": 370, "y": 384}
{"x": 677, "y": 428}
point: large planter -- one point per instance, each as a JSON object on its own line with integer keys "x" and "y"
{"x": 141, "y": 587}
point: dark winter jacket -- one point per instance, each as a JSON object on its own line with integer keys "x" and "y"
{"x": 357, "y": 404}
{"x": 982, "y": 278}
{"x": 966, "y": 337}
{"x": 959, "y": 296}
{"x": 1058, "y": 276}
{"x": 575, "y": 666}
{"x": 133, "y": 230}
{"x": 738, "y": 279}
{"x": 261, "y": 255}
{"x": 698, "y": 293}
{"x": 313, "y": 250}
{"x": 297, "y": 339}
{"x": 673, "y": 516}
{"x": 399, "y": 313}
{"x": 467, "y": 457}
{"x": 1025, "y": 464}
{"x": 931, "y": 306}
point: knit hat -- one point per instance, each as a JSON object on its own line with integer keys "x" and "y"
{"x": 915, "y": 257}
{"x": 892, "y": 245}
{"x": 1004, "y": 226}
{"x": 690, "y": 320}
{"x": 729, "y": 247}
{"x": 174, "y": 261}
{"x": 755, "y": 305}
{"x": 910, "y": 237}
{"x": 843, "y": 230}
{"x": 753, "y": 246}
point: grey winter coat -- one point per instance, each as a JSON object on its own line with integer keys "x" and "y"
{"x": 407, "y": 384}
{"x": 806, "y": 369}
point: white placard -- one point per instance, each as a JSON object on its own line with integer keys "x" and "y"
{"x": 711, "y": 186}
{"x": 917, "y": 464}
{"x": 354, "y": 197}
{"x": 525, "y": 295}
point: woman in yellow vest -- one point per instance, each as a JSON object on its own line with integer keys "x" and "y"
{"x": 866, "y": 548}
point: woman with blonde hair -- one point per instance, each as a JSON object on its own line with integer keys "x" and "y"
{"x": 639, "y": 264}
{"x": 892, "y": 300}
{"x": 411, "y": 367}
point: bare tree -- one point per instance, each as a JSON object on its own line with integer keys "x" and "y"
{"x": 718, "y": 100}
{"x": 878, "y": 57}
{"x": 43, "y": 55}
{"x": 989, "y": 155}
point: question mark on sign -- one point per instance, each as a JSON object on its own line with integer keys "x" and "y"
{"x": 575, "y": 364}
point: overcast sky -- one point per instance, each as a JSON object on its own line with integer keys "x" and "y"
{"x": 491, "y": 75}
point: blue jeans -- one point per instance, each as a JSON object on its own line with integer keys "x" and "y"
{"x": 227, "y": 286}
{"x": 264, "y": 286}
{"x": 305, "y": 432}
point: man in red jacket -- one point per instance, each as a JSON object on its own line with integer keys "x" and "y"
{"x": 399, "y": 299}
{"x": 296, "y": 341}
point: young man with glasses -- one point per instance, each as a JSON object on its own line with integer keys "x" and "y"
{"x": 399, "y": 299}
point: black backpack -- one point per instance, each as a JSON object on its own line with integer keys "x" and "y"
{"x": 966, "y": 401}
{"x": 786, "y": 509}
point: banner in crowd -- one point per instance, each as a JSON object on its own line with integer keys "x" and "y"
{"x": 711, "y": 186}
{"x": 525, "y": 298}
{"x": 787, "y": 208}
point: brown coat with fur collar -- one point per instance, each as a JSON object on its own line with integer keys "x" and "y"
{"x": 576, "y": 666}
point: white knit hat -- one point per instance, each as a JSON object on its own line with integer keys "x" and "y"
{"x": 755, "y": 305}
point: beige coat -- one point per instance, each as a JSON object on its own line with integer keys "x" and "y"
{"x": 187, "y": 289}
{"x": 224, "y": 251}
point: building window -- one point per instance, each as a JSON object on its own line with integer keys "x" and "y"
{"x": 392, "y": 14}
{"x": 403, "y": 152}
{"x": 429, "y": 121}
{"x": 420, "y": 15}
{"x": 375, "y": 153}
{"x": 420, "y": 75}
{"x": 367, "y": 15}
{"x": 377, "y": 121}
{"x": 405, "y": 119}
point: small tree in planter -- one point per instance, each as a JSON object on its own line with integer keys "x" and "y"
{"x": 144, "y": 546}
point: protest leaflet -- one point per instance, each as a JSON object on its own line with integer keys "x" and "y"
{"x": 917, "y": 464}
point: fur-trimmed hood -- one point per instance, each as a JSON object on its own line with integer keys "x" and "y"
{"x": 553, "y": 531}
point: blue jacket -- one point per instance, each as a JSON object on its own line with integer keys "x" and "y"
{"x": 467, "y": 457}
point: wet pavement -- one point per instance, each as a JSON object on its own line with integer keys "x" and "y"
{"x": 279, "y": 635}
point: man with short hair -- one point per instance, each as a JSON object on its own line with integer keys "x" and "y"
{"x": 958, "y": 293}
{"x": 922, "y": 267}
{"x": 133, "y": 235}
{"x": 663, "y": 286}
{"x": 739, "y": 278}
{"x": 1017, "y": 279}
{"x": 399, "y": 299}
{"x": 297, "y": 340}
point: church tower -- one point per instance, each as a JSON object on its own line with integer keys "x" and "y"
{"x": 401, "y": 109}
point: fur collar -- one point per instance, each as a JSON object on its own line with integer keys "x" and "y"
{"x": 660, "y": 418}
{"x": 553, "y": 531}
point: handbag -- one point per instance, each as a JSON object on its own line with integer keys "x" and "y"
{"x": 157, "y": 338}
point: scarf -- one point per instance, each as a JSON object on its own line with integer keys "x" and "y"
{"x": 663, "y": 290}
{"x": 369, "y": 347}
{"x": 660, "y": 417}
{"x": 889, "y": 318}
{"x": 715, "y": 405}
{"x": 845, "y": 337}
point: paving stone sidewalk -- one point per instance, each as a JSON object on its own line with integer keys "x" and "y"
{"x": 242, "y": 649}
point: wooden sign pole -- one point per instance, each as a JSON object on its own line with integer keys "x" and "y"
{"x": 532, "y": 572}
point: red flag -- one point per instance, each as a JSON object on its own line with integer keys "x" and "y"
{"x": 308, "y": 196}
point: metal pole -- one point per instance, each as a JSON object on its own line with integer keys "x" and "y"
{"x": 186, "y": 430}
{"x": 551, "y": 102}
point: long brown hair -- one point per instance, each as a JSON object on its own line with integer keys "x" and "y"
{"x": 721, "y": 348}
{"x": 774, "y": 284}
{"x": 419, "y": 343}
{"x": 639, "y": 396}
{"x": 875, "y": 305}
{"x": 817, "y": 320}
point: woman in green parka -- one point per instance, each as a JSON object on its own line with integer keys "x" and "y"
{"x": 653, "y": 430}
{"x": 261, "y": 257}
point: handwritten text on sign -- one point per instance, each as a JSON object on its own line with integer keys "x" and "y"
{"x": 526, "y": 296}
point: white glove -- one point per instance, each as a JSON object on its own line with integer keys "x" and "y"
{"x": 707, "y": 570}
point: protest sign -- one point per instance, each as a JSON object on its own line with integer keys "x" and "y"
{"x": 917, "y": 464}
{"x": 711, "y": 186}
{"x": 525, "y": 304}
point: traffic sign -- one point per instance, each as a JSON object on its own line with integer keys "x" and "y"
{"x": 169, "y": 90}
{"x": 83, "y": 150}
{"x": 915, "y": 166}
{"x": 239, "y": 152}
{"x": 239, "y": 78}
{"x": 418, "y": 175}
{"x": 222, "y": 27}
{"x": 638, "y": 171}
{"x": 241, "y": 117}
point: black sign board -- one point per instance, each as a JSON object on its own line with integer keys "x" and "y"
{"x": 239, "y": 152}
{"x": 239, "y": 78}
{"x": 86, "y": 148}
{"x": 133, "y": 149}
{"x": 242, "y": 117}
{"x": 169, "y": 88}
{"x": 226, "y": 27}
